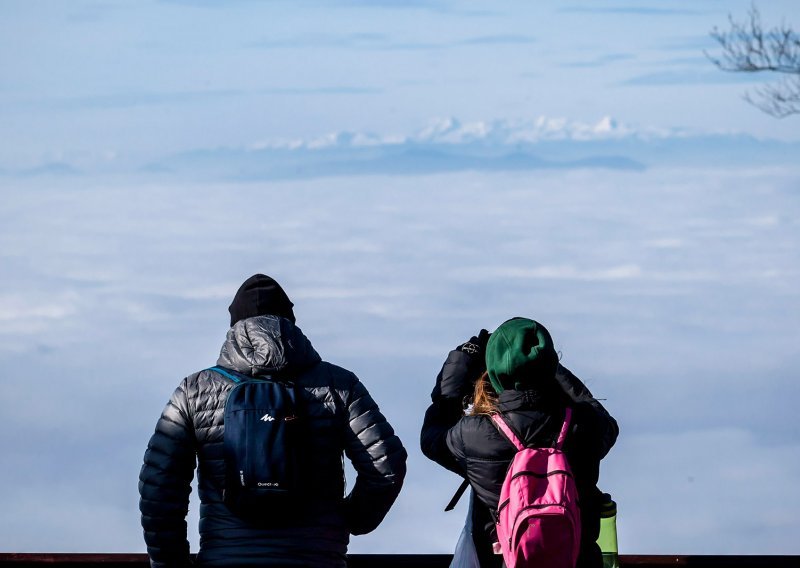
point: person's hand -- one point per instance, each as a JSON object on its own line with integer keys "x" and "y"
{"x": 476, "y": 345}
{"x": 459, "y": 373}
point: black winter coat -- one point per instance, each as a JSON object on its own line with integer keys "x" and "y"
{"x": 340, "y": 416}
{"x": 474, "y": 448}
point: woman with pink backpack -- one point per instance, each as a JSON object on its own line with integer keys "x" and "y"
{"x": 528, "y": 437}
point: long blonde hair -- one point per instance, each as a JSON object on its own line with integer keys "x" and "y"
{"x": 484, "y": 400}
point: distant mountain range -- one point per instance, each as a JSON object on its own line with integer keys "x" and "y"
{"x": 448, "y": 145}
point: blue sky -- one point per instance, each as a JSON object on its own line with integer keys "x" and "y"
{"x": 411, "y": 172}
{"x": 106, "y": 84}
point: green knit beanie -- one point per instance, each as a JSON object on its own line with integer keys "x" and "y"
{"x": 520, "y": 352}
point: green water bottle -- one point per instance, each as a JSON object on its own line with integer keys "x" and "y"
{"x": 608, "y": 532}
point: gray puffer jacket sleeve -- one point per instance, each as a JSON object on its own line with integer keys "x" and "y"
{"x": 165, "y": 483}
{"x": 377, "y": 456}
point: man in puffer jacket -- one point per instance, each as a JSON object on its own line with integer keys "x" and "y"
{"x": 341, "y": 418}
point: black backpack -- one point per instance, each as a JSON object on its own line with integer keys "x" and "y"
{"x": 261, "y": 430}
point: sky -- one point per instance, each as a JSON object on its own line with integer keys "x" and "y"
{"x": 411, "y": 172}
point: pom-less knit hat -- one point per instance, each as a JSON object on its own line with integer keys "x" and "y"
{"x": 520, "y": 352}
{"x": 260, "y": 295}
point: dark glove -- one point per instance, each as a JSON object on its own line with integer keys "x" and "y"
{"x": 476, "y": 345}
{"x": 475, "y": 349}
{"x": 463, "y": 367}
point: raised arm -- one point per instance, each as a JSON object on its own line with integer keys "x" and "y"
{"x": 455, "y": 381}
{"x": 576, "y": 391}
{"x": 446, "y": 410}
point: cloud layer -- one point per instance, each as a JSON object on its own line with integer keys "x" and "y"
{"x": 671, "y": 292}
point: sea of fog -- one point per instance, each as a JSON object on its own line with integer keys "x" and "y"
{"x": 671, "y": 292}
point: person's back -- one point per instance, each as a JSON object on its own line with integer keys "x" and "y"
{"x": 527, "y": 386}
{"x": 336, "y": 414}
{"x": 486, "y": 453}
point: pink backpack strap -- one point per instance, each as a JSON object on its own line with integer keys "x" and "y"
{"x": 506, "y": 429}
{"x": 564, "y": 428}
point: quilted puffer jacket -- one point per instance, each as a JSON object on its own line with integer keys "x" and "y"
{"x": 342, "y": 418}
{"x": 473, "y": 447}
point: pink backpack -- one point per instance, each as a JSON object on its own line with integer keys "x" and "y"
{"x": 538, "y": 519}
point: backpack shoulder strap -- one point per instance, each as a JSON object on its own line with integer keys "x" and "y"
{"x": 506, "y": 430}
{"x": 457, "y": 495}
{"x": 564, "y": 428}
{"x": 501, "y": 423}
{"x": 229, "y": 374}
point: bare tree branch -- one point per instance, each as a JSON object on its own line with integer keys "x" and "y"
{"x": 747, "y": 47}
{"x": 777, "y": 99}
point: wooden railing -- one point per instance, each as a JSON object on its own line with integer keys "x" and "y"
{"x": 20, "y": 560}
